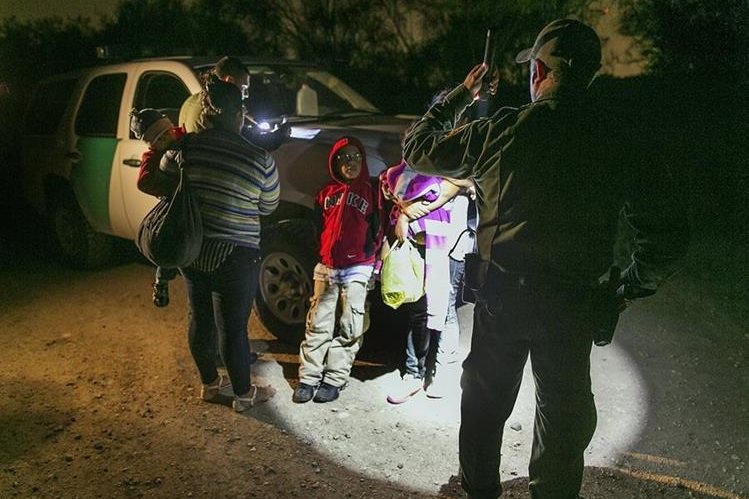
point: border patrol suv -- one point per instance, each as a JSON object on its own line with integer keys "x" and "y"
{"x": 79, "y": 161}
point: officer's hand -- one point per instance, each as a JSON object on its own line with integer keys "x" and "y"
{"x": 474, "y": 77}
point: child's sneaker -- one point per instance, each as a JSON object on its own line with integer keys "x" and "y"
{"x": 161, "y": 294}
{"x": 408, "y": 386}
{"x": 256, "y": 396}
{"x": 328, "y": 392}
{"x": 303, "y": 393}
{"x": 212, "y": 390}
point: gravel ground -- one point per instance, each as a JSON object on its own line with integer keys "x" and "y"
{"x": 98, "y": 398}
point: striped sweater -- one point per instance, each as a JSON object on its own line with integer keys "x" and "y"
{"x": 234, "y": 181}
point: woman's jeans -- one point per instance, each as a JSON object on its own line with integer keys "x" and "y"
{"x": 419, "y": 338}
{"x": 221, "y": 301}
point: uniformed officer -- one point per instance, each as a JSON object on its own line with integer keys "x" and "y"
{"x": 551, "y": 182}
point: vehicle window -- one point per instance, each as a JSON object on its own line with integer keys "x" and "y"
{"x": 301, "y": 92}
{"x": 162, "y": 91}
{"x": 47, "y": 107}
{"x": 100, "y": 108}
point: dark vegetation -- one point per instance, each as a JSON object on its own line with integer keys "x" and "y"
{"x": 690, "y": 102}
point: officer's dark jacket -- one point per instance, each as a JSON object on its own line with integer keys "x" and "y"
{"x": 552, "y": 178}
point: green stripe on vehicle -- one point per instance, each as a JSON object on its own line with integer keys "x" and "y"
{"x": 90, "y": 178}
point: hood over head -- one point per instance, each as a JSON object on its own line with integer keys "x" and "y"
{"x": 335, "y": 173}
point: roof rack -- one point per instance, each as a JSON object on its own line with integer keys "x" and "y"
{"x": 121, "y": 52}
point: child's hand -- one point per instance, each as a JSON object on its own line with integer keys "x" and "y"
{"x": 401, "y": 227}
{"x": 384, "y": 250}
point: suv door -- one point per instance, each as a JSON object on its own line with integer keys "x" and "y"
{"x": 95, "y": 127}
{"x": 43, "y": 149}
{"x": 161, "y": 90}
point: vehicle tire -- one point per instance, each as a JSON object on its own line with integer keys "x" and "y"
{"x": 75, "y": 242}
{"x": 285, "y": 286}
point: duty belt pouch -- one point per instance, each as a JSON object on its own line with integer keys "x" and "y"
{"x": 475, "y": 271}
{"x": 608, "y": 305}
{"x": 607, "y": 317}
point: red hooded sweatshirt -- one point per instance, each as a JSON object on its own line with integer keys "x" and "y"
{"x": 350, "y": 215}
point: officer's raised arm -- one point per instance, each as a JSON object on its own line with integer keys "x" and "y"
{"x": 434, "y": 145}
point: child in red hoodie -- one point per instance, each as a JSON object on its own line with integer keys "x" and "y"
{"x": 349, "y": 237}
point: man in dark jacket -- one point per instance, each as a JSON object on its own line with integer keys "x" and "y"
{"x": 551, "y": 184}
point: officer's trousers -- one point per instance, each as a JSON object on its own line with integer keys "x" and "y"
{"x": 554, "y": 329}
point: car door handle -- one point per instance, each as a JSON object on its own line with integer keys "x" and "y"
{"x": 74, "y": 156}
{"x": 132, "y": 162}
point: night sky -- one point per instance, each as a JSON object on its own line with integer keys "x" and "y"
{"x": 31, "y": 9}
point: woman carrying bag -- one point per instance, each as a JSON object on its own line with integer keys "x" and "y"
{"x": 235, "y": 182}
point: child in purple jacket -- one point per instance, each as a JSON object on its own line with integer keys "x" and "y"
{"x": 423, "y": 214}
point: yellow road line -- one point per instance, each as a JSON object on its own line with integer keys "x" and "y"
{"x": 694, "y": 485}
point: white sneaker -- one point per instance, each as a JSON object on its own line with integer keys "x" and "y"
{"x": 257, "y": 395}
{"x": 212, "y": 390}
{"x": 409, "y": 386}
{"x": 438, "y": 388}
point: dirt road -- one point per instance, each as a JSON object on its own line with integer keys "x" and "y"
{"x": 98, "y": 398}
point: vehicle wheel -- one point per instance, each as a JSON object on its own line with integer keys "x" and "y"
{"x": 75, "y": 242}
{"x": 285, "y": 285}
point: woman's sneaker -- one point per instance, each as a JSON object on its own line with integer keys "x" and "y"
{"x": 256, "y": 396}
{"x": 408, "y": 386}
{"x": 211, "y": 391}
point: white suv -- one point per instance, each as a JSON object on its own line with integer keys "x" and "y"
{"x": 79, "y": 161}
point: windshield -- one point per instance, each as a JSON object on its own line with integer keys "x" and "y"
{"x": 299, "y": 92}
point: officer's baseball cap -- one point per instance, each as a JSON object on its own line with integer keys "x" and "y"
{"x": 565, "y": 41}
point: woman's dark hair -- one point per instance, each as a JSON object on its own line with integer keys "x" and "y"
{"x": 221, "y": 102}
